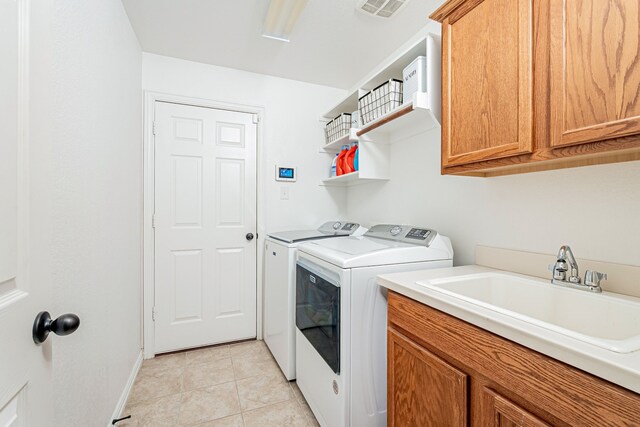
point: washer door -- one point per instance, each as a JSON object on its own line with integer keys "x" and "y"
{"x": 318, "y": 312}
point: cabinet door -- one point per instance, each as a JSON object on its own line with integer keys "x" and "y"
{"x": 501, "y": 412}
{"x": 423, "y": 390}
{"x": 595, "y": 70}
{"x": 487, "y": 82}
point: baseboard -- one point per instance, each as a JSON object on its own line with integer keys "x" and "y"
{"x": 127, "y": 389}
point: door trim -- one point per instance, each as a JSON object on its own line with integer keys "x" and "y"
{"x": 148, "y": 241}
{"x": 124, "y": 396}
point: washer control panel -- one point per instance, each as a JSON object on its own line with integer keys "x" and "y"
{"x": 418, "y": 233}
{"x": 350, "y": 227}
{"x": 403, "y": 233}
{"x": 339, "y": 228}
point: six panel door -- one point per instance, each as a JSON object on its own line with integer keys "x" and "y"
{"x": 487, "y": 82}
{"x": 205, "y": 206}
{"x": 595, "y": 70}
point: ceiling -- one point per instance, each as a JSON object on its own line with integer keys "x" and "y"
{"x": 332, "y": 44}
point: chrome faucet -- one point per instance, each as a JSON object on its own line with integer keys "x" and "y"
{"x": 565, "y": 273}
{"x": 566, "y": 263}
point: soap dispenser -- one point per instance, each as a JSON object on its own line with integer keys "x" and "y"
{"x": 333, "y": 165}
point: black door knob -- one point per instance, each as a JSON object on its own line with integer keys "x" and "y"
{"x": 63, "y": 325}
{"x": 249, "y": 236}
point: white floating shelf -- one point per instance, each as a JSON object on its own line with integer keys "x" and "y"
{"x": 392, "y": 68}
{"x": 347, "y": 105}
{"x": 349, "y": 179}
{"x": 415, "y": 116}
{"x": 336, "y": 145}
{"x": 411, "y": 118}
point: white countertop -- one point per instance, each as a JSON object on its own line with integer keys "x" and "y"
{"x": 621, "y": 369}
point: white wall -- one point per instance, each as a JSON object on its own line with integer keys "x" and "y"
{"x": 290, "y": 128}
{"x": 86, "y": 109}
{"x": 594, "y": 209}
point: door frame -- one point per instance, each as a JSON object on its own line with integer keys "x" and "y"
{"x": 148, "y": 243}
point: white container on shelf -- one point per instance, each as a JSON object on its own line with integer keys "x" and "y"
{"x": 355, "y": 119}
{"x": 414, "y": 76}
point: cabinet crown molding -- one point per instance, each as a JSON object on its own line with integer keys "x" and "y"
{"x": 441, "y": 13}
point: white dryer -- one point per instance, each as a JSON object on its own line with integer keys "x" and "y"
{"x": 341, "y": 318}
{"x": 279, "y": 287}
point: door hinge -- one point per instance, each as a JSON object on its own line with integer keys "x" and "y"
{"x": 154, "y": 127}
{"x": 153, "y": 221}
{"x": 256, "y": 119}
{"x": 153, "y": 313}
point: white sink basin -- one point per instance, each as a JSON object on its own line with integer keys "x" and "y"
{"x": 607, "y": 321}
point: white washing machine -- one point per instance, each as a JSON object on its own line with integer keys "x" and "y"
{"x": 341, "y": 318}
{"x": 279, "y": 287}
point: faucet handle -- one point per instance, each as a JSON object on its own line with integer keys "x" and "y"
{"x": 593, "y": 278}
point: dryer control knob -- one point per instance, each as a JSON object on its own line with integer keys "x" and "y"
{"x": 336, "y": 225}
{"x": 395, "y": 230}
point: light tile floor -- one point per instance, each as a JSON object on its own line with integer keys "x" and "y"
{"x": 232, "y": 385}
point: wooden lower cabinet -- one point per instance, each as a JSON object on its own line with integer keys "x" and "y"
{"x": 425, "y": 391}
{"x": 443, "y": 371}
{"x": 498, "y": 411}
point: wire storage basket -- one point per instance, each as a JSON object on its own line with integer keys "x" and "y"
{"x": 380, "y": 101}
{"x": 338, "y": 127}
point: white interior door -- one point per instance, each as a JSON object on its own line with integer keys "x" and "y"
{"x": 25, "y": 379}
{"x": 205, "y": 219}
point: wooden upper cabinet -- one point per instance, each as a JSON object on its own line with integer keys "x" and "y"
{"x": 486, "y": 80}
{"x": 595, "y": 70}
{"x": 530, "y": 85}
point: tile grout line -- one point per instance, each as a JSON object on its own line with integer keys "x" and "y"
{"x": 295, "y": 400}
{"x": 268, "y": 404}
{"x": 235, "y": 381}
{"x": 312, "y": 421}
{"x": 242, "y": 416}
{"x": 306, "y": 416}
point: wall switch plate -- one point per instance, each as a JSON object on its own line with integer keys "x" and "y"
{"x": 284, "y": 193}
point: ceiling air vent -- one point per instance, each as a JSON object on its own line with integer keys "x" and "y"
{"x": 381, "y": 8}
